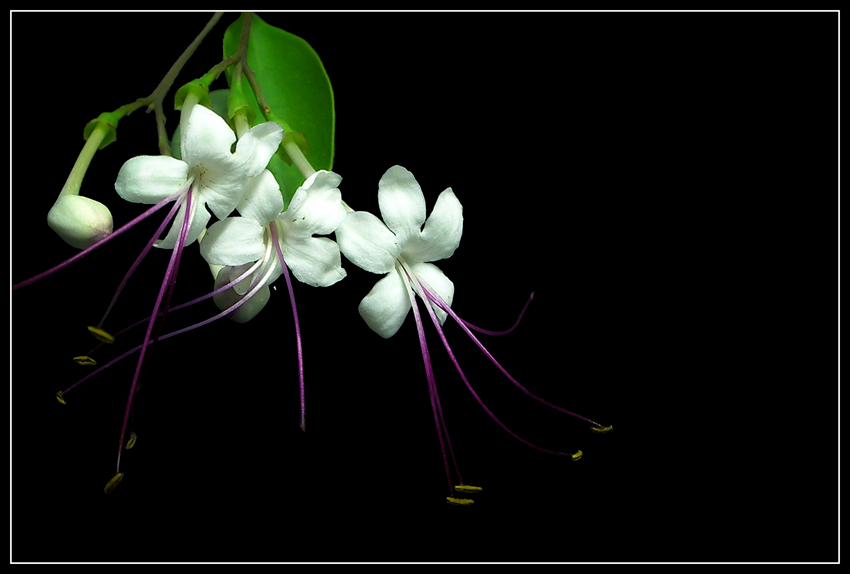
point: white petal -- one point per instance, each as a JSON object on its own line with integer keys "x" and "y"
{"x": 256, "y": 148}
{"x": 441, "y": 234}
{"x": 262, "y": 201}
{"x": 435, "y": 280}
{"x": 224, "y": 176}
{"x": 150, "y": 179}
{"x": 221, "y": 190}
{"x": 316, "y": 208}
{"x": 385, "y": 307}
{"x": 199, "y": 222}
{"x": 367, "y": 242}
{"x": 221, "y": 176}
{"x": 313, "y": 260}
{"x": 233, "y": 241}
{"x": 207, "y": 140}
{"x": 401, "y": 202}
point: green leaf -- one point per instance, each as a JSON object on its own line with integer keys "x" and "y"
{"x": 297, "y": 90}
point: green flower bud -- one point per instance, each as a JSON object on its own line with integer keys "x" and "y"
{"x": 79, "y": 221}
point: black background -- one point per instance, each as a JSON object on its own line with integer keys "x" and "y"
{"x": 665, "y": 183}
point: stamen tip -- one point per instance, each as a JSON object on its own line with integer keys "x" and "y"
{"x": 113, "y": 482}
{"x": 602, "y": 430}
{"x": 131, "y": 442}
{"x": 577, "y": 456}
{"x": 460, "y": 501}
{"x": 84, "y": 360}
{"x": 101, "y": 335}
{"x": 465, "y": 488}
{"x": 59, "y": 397}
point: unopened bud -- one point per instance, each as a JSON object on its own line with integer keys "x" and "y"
{"x": 79, "y": 221}
{"x": 226, "y": 299}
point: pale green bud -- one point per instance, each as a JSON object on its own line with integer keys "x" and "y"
{"x": 79, "y": 221}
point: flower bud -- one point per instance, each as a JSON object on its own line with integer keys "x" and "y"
{"x": 226, "y": 299}
{"x": 79, "y": 221}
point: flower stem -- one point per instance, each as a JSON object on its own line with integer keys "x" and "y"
{"x": 75, "y": 178}
{"x": 166, "y": 82}
{"x": 297, "y": 156}
{"x": 155, "y": 99}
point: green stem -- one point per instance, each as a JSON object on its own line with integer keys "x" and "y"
{"x": 165, "y": 84}
{"x": 258, "y": 91}
{"x": 75, "y": 178}
{"x": 297, "y": 156}
{"x": 155, "y": 99}
{"x": 190, "y": 102}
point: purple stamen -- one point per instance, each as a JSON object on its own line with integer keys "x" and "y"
{"x": 221, "y": 289}
{"x": 225, "y": 313}
{"x": 500, "y": 333}
{"x": 432, "y": 388}
{"x": 471, "y": 390}
{"x": 167, "y": 282}
{"x": 141, "y": 256}
{"x": 295, "y": 318}
{"x": 97, "y": 244}
{"x": 465, "y": 326}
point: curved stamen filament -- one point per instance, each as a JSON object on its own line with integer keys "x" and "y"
{"x": 265, "y": 263}
{"x": 167, "y": 283}
{"x": 432, "y": 384}
{"x": 506, "y": 332}
{"x": 273, "y": 228}
{"x": 141, "y": 256}
{"x": 221, "y": 289}
{"x": 225, "y": 313}
{"x": 416, "y": 282}
{"x": 432, "y": 295}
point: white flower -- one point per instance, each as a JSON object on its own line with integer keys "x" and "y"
{"x": 216, "y": 176}
{"x": 402, "y": 248}
{"x": 316, "y": 208}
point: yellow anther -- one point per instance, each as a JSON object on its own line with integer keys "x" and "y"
{"x": 101, "y": 335}
{"x": 131, "y": 441}
{"x": 84, "y": 360}
{"x": 577, "y": 456}
{"x": 113, "y": 482}
{"x": 59, "y": 397}
{"x": 460, "y": 501}
{"x": 602, "y": 430}
{"x": 467, "y": 488}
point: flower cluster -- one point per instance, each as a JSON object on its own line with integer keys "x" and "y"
{"x": 222, "y": 174}
{"x": 219, "y": 174}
